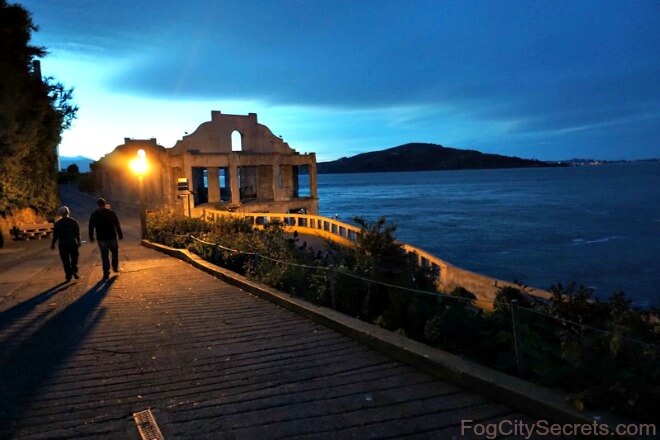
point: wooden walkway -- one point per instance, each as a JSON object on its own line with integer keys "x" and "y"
{"x": 210, "y": 360}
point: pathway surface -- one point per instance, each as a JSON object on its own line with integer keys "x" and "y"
{"x": 212, "y": 361}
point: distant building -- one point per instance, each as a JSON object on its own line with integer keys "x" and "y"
{"x": 230, "y": 162}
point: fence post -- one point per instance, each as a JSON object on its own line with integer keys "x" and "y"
{"x": 517, "y": 341}
{"x": 331, "y": 282}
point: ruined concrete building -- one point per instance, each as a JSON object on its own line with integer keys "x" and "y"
{"x": 230, "y": 162}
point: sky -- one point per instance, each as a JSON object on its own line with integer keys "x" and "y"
{"x": 549, "y": 80}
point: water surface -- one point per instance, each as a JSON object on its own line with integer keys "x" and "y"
{"x": 599, "y": 226}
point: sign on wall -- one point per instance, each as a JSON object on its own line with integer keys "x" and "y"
{"x": 182, "y": 184}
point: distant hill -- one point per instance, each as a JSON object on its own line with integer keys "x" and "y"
{"x": 424, "y": 157}
{"x": 82, "y": 162}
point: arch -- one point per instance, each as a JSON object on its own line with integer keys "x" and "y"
{"x": 236, "y": 141}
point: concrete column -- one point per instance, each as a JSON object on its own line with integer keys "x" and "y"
{"x": 277, "y": 191}
{"x": 233, "y": 184}
{"x": 214, "y": 185}
{"x": 313, "y": 190}
{"x": 189, "y": 201}
{"x": 169, "y": 185}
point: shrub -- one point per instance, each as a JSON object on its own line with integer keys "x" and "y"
{"x": 170, "y": 228}
{"x": 86, "y": 183}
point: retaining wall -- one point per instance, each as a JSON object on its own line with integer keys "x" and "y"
{"x": 448, "y": 276}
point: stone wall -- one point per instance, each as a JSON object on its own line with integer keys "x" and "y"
{"x": 266, "y": 165}
{"x": 215, "y": 136}
{"x": 484, "y": 287}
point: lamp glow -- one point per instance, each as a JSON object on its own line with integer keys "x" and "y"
{"x": 139, "y": 165}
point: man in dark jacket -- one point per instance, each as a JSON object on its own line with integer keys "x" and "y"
{"x": 67, "y": 232}
{"x": 106, "y": 224}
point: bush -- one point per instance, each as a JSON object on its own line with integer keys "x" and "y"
{"x": 87, "y": 183}
{"x": 172, "y": 229}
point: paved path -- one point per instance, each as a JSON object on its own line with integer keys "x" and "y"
{"x": 77, "y": 359}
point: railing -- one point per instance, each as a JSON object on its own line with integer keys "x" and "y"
{"x": 447, "y": 276}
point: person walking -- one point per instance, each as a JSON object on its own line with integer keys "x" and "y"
{"x": 67, "y": 232}
{"x": 105, "y": 223}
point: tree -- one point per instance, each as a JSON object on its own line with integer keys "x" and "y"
{"x": 33, "y": 114}
{"x": 73, "y": 169}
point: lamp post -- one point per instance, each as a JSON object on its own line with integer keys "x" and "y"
{"x": 139, "y": 166}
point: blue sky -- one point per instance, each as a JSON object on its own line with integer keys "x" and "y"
{"x": 539, "y": 79}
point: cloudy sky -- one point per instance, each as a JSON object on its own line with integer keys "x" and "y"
{"x": 538, "y": 79}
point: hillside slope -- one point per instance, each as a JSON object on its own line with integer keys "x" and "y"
{"x": 423, "y": 157}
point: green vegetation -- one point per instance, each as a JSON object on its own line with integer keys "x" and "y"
{"x": 34, "y": 112}
{"x": 71, "y": 174}
{"x": 604, "y": 354}
{"x": 85, "y": 181}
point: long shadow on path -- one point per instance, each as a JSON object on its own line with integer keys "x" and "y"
{"x": 24, "y": 371}
{"x": 7, "y": 317}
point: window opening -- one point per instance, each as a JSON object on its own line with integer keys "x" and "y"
{"x": 301, "y": 181}
{"x": 200, "y": 186}
{"x": 236, "y": 141}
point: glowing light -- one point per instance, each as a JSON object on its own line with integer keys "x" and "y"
{"x": 139, "y": 165}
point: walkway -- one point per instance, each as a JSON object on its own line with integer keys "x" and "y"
{"x": 77, "y": 359}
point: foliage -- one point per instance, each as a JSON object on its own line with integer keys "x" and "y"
{"x": 379, "y": 257}
{"x": 87, "y": 183}
{"x": 33, "y": 114}
{"x": 170, "y": 228}
{"x": 164, "y": 226}
{"x": 456, "y": 326}
{"x": 560, "y": 348}
{"x": 506, "y": 294}
{"x": 73, "y": 169}
{"x": 71, "y": 174}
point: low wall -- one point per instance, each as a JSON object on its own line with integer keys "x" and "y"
{"x": 448, "y": 276}
{"x": 484, "y": 287}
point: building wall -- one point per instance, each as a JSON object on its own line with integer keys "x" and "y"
{"x": 215, "y": 136}
{"x": 268, "y": 163}
{"x": 116, "y": 182}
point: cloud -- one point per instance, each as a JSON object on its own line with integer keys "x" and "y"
{"x": 515, "y": 74}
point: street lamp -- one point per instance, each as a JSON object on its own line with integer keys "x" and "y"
{"x": 139, "y": 166}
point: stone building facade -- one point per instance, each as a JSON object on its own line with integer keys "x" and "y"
{"x": 230, "y": 162}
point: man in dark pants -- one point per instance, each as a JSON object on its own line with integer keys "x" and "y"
{"x": 106, "y": 224}
{"x": 67, "y": 232}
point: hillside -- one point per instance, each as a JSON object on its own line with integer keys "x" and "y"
{"x": 423, "y": 157}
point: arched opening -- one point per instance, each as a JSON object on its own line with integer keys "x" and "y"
{"x": 236, "y": 141}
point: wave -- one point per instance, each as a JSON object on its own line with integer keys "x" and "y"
{"x": 581, "y": 241}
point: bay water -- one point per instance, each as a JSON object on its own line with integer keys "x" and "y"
{"x": 596, "y": 225}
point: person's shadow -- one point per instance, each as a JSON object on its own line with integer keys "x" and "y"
{"x": 24, "y": 370}
{"x": 13, "y": 314}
